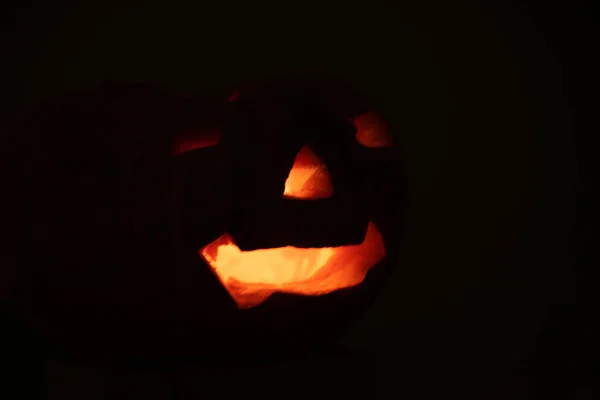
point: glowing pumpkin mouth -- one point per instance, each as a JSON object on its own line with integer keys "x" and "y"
{"x": 252, "y": 276}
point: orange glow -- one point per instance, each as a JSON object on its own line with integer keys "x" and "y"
{"x": 251, "y": 277}
{"x": 196, "y": 140}
{"x": 233, "y": 97}
{"x": 309, "y": 177}
{"x": 371, "y": 131}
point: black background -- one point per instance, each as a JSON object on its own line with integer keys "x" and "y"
{"x": 482, "y": 98}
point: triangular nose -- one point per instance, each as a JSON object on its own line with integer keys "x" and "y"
{"x": 309, "y": 177}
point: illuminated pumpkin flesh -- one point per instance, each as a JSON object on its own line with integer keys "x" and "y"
{"x": 191, "y": 141}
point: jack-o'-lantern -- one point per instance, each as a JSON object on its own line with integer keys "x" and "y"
{"x": 277, "y": 241}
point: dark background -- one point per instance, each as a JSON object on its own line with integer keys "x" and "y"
{"x": 482, "y": 303}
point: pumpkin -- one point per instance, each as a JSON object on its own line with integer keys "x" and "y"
{"x": 149, "y": 226}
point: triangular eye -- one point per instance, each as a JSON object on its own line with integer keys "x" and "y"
{"x": 309, "y": 177}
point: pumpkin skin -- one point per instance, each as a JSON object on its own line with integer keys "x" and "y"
{"x": 115, "y": 193}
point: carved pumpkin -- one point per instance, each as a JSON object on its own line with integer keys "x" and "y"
{"x": 287, "y": 275}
